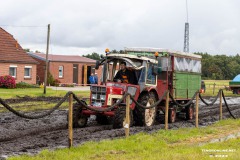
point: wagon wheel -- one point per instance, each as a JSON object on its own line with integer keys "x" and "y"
{"x": 171, "y": 115}
{"x": 190, "y": 112}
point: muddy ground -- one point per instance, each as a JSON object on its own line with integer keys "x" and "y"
{"x": 22, "y": 136}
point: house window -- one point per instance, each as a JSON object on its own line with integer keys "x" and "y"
{"x": 60, "y": 71}
{"x": 27, "y": 71}
{"x": 13, "y": 71}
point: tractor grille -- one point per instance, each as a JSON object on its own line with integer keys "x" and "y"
{"x": 98, "y": 95}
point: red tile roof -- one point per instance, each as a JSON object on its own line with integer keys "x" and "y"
{"x": 11, "y": 51}
{"x": 62, "y": 58}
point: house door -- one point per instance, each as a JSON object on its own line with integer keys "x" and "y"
{"x": 88, "y": 73}
{"x": 93, "y": 69}
{"x": 75, "y": 73}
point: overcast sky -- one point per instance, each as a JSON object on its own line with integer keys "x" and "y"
{"x": 86, "y": 26}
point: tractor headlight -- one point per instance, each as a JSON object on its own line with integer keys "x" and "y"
{"x": 94, "y": 96}
{"x": 132, "y": 90}
{"x": 102, "y": 97}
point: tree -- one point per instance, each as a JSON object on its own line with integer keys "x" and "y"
{"x": 26, "y": 50}
{"x": 94, "y": 56}
{"x": 219, "y": 66}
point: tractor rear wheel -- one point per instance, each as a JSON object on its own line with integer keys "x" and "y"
{"x": 79, "y": 120}
{"x": 145, "y": 117}
{"x": 119, "y": 120}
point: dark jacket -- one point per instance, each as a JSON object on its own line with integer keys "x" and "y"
{"x": 126, "y": 77}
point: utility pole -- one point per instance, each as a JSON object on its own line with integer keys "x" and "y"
{"x": 46, "y": 68}
{"x": 186, "y": 33}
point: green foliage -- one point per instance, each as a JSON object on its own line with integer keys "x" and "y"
{"x": 26, "y": 85}
{"x": 52, "y": 81}
{"x": 94, "y": 56}
{"x": 219, "y": 67}
{"x": 26, "y": 49}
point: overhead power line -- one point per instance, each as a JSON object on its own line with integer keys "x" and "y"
{"x": 20, "y": 26}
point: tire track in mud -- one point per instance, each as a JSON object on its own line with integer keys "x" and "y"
{"x": 23, "y": 136}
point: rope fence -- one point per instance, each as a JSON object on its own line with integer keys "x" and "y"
{"x": 70, "y": 95}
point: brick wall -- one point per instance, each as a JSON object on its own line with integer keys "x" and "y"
{"x": 19, "y": 72}
{"x": 40, "y": 70}
{"x": 67, "y": 71}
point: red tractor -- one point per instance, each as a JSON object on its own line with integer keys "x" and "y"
{"x": 156, "y": 70}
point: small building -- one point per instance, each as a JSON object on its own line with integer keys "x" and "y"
{"x": 68, "y": 69}
{"x": 15, "y": 61}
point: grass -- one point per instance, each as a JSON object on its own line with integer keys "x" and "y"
{"x": 213, "y": 86}
{"x": 37, "y": 92}
{"x": 184, "y": 143}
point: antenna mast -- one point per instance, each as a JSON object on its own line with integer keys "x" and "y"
{"x": 186, "y": 33}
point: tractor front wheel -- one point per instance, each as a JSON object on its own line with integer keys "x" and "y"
{"x": 102, "y": 119}
{"x": 79, "y": 120}
{"x": 119, "y": 120}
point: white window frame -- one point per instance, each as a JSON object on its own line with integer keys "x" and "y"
{"x": 15, "y": 70}
{"x": 60, "y": 68}
{"x": 30, "y": 71}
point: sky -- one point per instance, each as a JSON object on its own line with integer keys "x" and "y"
{"x": 80, "y": 27}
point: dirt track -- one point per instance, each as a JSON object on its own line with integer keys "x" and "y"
{"x": 23, "y": 136}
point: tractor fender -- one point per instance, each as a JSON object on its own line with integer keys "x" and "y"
{"x": 150, "y": 89}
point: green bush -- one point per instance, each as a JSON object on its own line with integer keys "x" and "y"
{"x": 52, "y": 81}
{"x": 26, "y": 85}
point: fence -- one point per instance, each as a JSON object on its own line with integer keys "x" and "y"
{"x": 127, "y": 96}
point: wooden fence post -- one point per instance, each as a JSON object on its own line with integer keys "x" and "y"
{"x": 220, "y": 116}
{"x": 127, "y": 120}
{"x": 166, "y": 111}
{"x": 70, "y": 121}
{"x": 197, "y": 95}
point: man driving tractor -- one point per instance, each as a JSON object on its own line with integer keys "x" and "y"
{"x": 125, "y": 75}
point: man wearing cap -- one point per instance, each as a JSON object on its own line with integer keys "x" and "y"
{"x": 124, "y": 75}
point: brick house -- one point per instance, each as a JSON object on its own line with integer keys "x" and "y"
{"x": 68, "y": 69}
{"x": 15, "y": 61}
